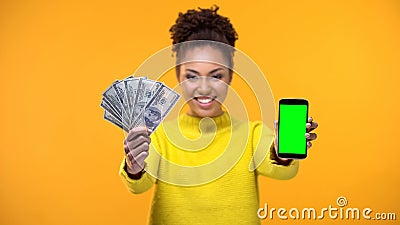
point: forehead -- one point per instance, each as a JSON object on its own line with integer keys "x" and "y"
{"x": 202, "y": 67}
{"x": 205, "y": 55}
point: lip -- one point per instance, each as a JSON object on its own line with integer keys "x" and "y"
{"x": 204, "y": 101}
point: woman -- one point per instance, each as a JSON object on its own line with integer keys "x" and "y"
{"x": 232, "y": 196}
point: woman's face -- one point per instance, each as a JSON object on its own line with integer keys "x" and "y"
{"x": 204, "y": 84}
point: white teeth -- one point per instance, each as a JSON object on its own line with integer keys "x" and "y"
{"x": 204, "y": 100}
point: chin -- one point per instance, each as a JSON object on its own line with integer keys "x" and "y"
{"x": 205, "y": 113}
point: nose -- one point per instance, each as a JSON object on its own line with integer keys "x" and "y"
{"x": 204, "y": 87}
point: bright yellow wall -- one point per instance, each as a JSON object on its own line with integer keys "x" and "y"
{"x": 59, "y": 159}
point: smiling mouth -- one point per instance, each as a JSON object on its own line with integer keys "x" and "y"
{"x": 204, "y": 99}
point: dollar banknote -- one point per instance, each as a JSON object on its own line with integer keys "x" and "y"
{"x": 137, "y": 101}
{"x": 110, "y": 96}
{"x": 147, "y": 90}
{"x": 109, "y": 117}
{"x": 107, "y": 107}
{"x": 120, "y": 90}
{"x": 157, "y": 108}
{"x": 132, "y": 86}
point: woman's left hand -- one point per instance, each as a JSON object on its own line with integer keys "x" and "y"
{"x": 310, "y": 126}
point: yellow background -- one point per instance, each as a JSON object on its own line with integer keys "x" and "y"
{"x": 59, "y": 159}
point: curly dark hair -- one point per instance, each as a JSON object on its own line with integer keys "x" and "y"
{"x": 203, "y": 24}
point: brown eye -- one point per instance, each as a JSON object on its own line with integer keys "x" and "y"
{"x": 217, "y": 76}
{"x": 191, "y": 77}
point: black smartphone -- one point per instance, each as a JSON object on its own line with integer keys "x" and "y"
{"x": 293, "y": 115}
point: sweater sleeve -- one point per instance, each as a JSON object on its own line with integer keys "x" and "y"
{"x": 136, "y": 186}
{"x": 263, "y": 139}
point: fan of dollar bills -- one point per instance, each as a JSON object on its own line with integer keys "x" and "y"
{"x": 138, "y": 101}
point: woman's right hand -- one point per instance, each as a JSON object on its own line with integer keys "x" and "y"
{"x": 136, "y": 146}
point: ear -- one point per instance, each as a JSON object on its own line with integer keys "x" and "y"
{"x": 178, "y": 73}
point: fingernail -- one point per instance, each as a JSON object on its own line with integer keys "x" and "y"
{"x": 307, "y": 135}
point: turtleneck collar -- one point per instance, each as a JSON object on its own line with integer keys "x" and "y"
{"x": 206, "y": 124}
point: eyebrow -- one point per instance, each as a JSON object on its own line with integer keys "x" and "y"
{"x": 197, "y": 73}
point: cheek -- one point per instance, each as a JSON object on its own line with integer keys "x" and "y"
{"x": 221, "y": 87}
{"x": 187, "y": 90}
{"x": 222, "y": 91}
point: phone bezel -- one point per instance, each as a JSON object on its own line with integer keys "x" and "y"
{"x": 292, "y": 101}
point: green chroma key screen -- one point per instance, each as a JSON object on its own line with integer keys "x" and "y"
{"x": 292, "y": 129}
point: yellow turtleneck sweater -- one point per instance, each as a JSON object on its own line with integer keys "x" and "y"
{"x": 203, "y": 172}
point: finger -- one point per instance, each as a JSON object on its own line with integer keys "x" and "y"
{"x": 130, "y": 161}
{"x": 138, "y": 163}
{"x": 131, "y": 145}
{"x": 130, "y": 158}
{"x": 309, "y": 144}
{"x": 144, "y": 147}
{"x": 276, "y": 134}
{"x": 137, "y": 131}
{"x": 134, "y": 160}
{"x": 126, "y": 148}
{"x": 311, "y": 126}
{"x": 310, "y": 119}
{"x": 311, "y": 136}
{"x": 138, "y": 141}
{"x": 140, "y": 158}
